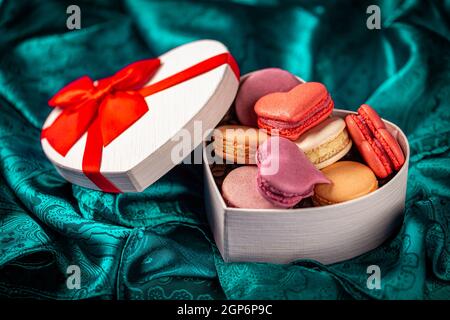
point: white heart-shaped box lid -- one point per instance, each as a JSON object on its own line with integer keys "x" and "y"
{"x": 136, "y": 155}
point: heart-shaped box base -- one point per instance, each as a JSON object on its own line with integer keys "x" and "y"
{"x": 327, "y": 234}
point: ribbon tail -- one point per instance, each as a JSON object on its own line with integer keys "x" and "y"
{"x": 92, "y": 159}
{"x": 192, "y": 72}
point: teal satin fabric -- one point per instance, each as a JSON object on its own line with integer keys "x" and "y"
{"x": 156, "y": 244}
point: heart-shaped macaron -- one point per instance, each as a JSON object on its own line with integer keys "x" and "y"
{"x": 258, "y": 84}
{"x": 292, "y": 113}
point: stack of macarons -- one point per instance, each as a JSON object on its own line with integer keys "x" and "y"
{"x": 287, "y": 149}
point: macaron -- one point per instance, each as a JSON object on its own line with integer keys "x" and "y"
{"x": 376, "y": 144}
{"x": 239, "y": 189}
{"x": 238, "y": 144}
{"x": 258, "y": 84}
{"x": 326, "y": 143}
{"x": 220, "y": 171}
{"x": 292, "y": 113}
{"x": 285, "y": 175}
{"x": 349, "y": 180}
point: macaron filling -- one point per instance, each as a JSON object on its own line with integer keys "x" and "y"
{"x": 295, "y": 128}
{"x": 377, "y": 137}
{"x": 374, "y": 142}
{"x": 328, "y": 149}
{"x": 279, "y": 197}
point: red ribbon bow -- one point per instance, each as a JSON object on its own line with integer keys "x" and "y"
{"x": 106, "y": 108}
{"x": 112, "y": 101}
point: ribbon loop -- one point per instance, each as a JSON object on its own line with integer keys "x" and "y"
{"x": 74, "y": 94}
{"x": 135, "y": 75}
{"x": 81, "y": 99}
{"x": 130, "y": 105}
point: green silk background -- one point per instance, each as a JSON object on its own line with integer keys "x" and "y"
{"x": 156, "y": 244}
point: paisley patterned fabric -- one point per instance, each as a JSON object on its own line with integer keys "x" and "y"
{"x": 156, "y": 244}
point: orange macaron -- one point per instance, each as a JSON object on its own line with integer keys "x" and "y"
{"x": 349, "y": 180}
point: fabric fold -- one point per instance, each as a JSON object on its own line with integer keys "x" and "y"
{"x": 157, "y": 245}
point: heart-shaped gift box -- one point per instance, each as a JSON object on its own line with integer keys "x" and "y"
{"x": 113, "y": 149}
{"x": 327, "y": 234}
{"x": 119, "y": 134}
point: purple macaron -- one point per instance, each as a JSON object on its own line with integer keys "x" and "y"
{"x": 258, "y": 84}
{"x": 285, "y": 175}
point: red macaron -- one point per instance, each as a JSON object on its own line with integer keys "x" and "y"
{"x": 376, "y": 144}
{"x": 294, "y": 112}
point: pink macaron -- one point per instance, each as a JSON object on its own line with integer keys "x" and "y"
{"x": 285, "y": 175}
{"x": 292, "y": 113}
{"x": 258, "y": 84}
{"x": 376, "y": 144}
{"x": 239, "y": 189}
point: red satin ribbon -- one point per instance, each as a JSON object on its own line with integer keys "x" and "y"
{"x": 106, "y": 108}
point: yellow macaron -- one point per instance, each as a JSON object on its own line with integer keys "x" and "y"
{"x": 326, "y": 143}
{"x": 349, "y": 180}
